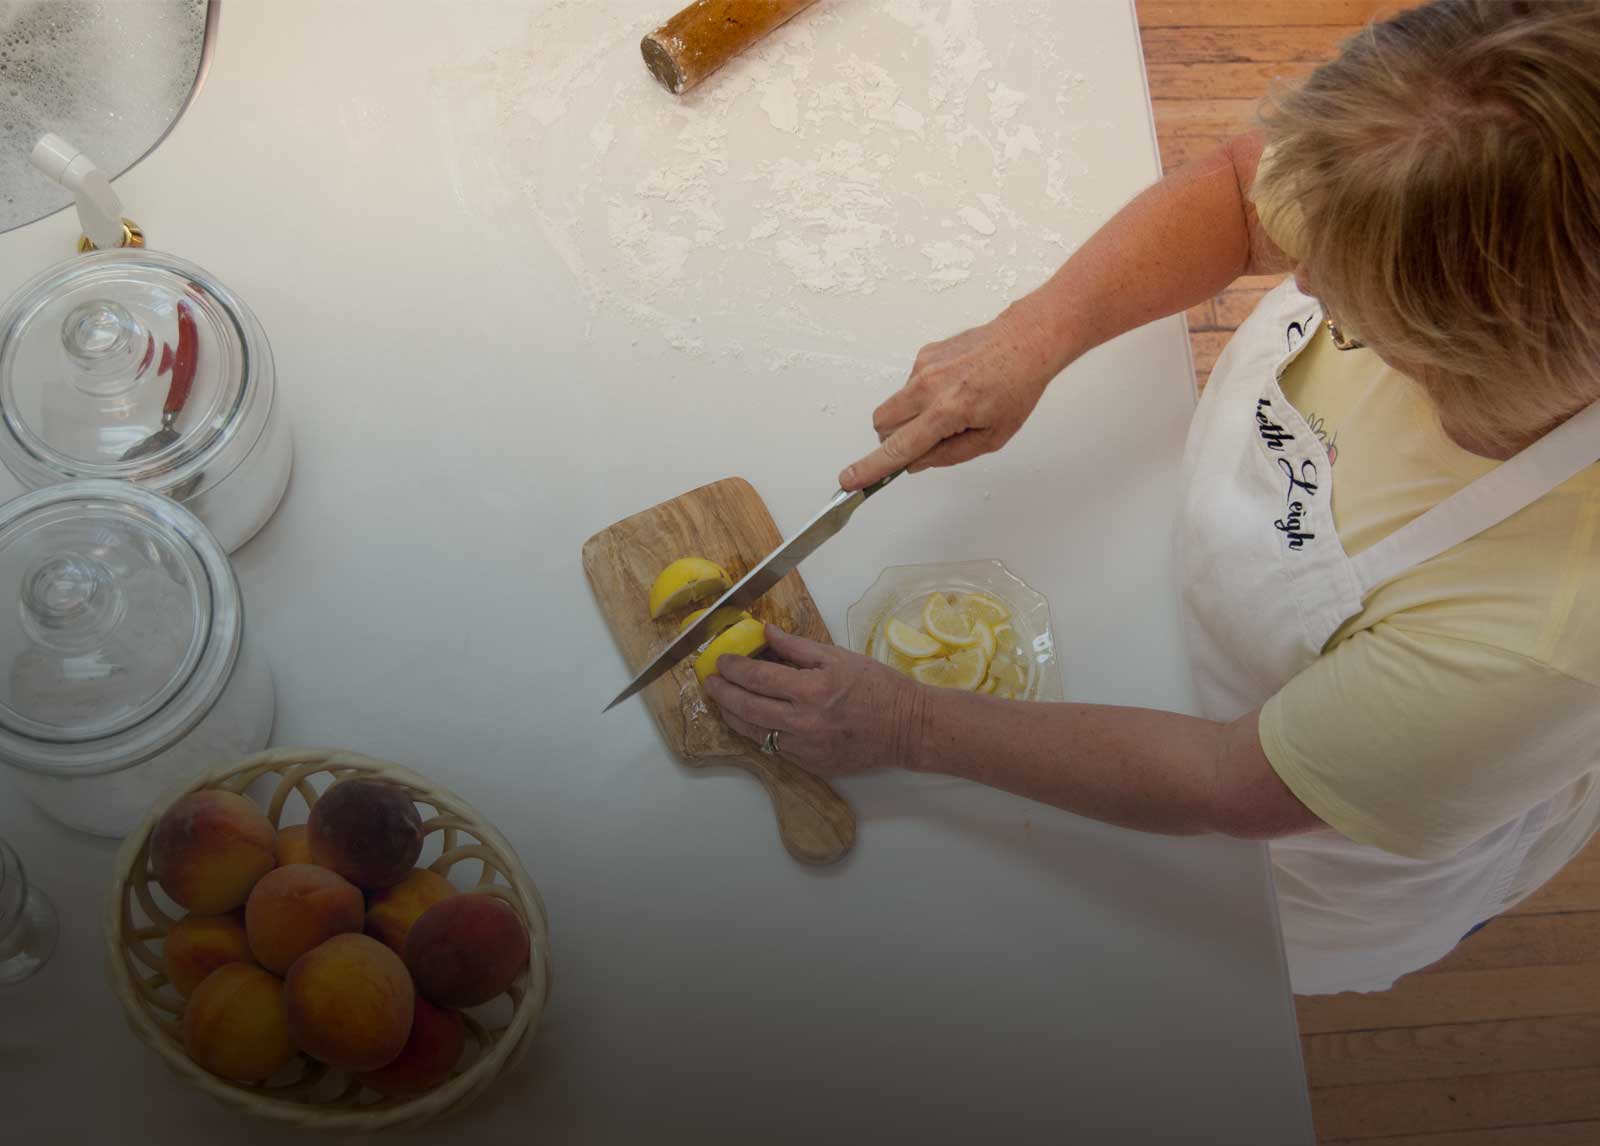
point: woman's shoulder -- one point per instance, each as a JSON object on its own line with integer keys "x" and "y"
{"x": 1530, "y": 587}
{"x": 1284, "y": 309}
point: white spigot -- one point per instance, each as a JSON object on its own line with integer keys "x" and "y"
{"x": 99, "y": 209}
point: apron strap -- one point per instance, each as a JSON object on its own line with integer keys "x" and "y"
{"x": 1520, "y": 481}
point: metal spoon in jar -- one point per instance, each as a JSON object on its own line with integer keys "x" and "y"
{"x": 183, "y": 370}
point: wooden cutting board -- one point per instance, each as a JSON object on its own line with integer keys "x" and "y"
{"x": 727, "y": 522}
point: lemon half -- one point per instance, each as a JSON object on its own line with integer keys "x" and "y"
{"x": 745, "y": 638}
{"x": 725, "y": 617}
{"x": 686, "y": 581}
{"x": 963, "y": 670}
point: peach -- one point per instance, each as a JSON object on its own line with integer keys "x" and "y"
{"x": 198, "y": 945}
{"x": 465, "y": 950}
{"x": 294, "y": 846}
{"x": 209, "y": 849}
{"x": 366, "y": 830}
{"x": 235, "y": 1024}
{"x": 431, "y": 1052}
{"x": 350, "y": 1003}
{"x": 392, "y": 911}
{"x": 292, "y": 909}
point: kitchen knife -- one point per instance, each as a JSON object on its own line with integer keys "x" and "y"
{"x": 777, "y": 565}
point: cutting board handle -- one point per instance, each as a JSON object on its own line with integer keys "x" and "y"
{"x": 814, "y": 822}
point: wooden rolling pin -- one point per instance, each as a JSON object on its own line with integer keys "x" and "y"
{"x": 709, "y": 33}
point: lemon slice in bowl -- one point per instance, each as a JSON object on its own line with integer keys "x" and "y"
{"x": 986, "y": 640}
{"x": 947, "y": 624}
{"x": 982, "y": 607}
{"x": 686, "y": 581}
{"x": 962, "y": 670}
{"x": 745, "y": 637}
{"x": 1010, "y": 680}
{"x": 879, "y": 649}
{"x": 909, "y": 642}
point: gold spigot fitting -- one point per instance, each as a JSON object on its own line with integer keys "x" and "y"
{"x": 132, "y": 236}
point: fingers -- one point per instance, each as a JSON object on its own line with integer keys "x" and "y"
{"x": 900, "y": 449}
{"x": 743, "y": 727}
{"x": 903, "y": 405}
{"x": 761, "y": 677}
{"x": 797, "y": 651}
{"x": 761, "y": 711}
{"x": 953, "y": 451}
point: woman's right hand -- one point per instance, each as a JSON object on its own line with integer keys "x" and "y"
{"x": 966, "y": 397}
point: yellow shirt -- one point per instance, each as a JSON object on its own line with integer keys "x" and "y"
{"x": 1468, "y": 688}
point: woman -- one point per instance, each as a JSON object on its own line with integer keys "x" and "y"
{"x": 1402, "y": 678}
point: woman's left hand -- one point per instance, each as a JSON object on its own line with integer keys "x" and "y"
{"x": 836, "y": 712}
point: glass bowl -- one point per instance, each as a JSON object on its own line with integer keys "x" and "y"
{"x": 900, "y": 590}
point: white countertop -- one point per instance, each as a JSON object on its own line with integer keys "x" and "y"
{"x": 488, "y": 353}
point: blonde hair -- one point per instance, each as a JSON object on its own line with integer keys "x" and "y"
{"x": 1440, "y": 180}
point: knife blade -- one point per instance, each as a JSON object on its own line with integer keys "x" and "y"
{"x": 773, "y": 568}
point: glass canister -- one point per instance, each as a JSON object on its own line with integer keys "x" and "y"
{"x": 28, "y": 923}
{"x": 124, "y": 662}
{"x": 138, "y": 366}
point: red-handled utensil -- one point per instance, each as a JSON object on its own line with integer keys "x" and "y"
{"x": 183, "y": 370}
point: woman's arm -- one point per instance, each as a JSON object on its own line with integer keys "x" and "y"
{"x": 839, "y": 712}
{"x": 1133, "y": 767}
{"x": 1176, "y": 244}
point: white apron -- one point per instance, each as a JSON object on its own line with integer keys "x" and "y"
{"x": 1266, "y": 583}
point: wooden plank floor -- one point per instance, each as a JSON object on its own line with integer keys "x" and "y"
{"x": 1498, "y": 1044}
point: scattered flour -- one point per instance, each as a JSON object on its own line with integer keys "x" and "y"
{"x": 1004, "y": 102}
{"x": 782, "y": 105}
{"x": 977, "y": 220}
{"x": 952, "y": 263}
{"x": 806, "y": 166}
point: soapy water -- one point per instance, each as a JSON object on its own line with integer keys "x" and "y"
{"x": 919, "y": 153}
{"x": 109, "y": 76}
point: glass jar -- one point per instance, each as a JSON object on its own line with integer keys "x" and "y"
{"x": 124, "y": 663}
{"x": 28, "y": 923}
{"x": 137, "y": 366}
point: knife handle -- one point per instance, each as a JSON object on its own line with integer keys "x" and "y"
{"x": 814, "y": 822}
{"x": 846, "y": 502}
{"x": 183, "y": 362}
{"x": 868, "y": 491}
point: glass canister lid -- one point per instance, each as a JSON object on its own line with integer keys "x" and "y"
{"x": 125, "y": 364}
{"x": 119, "y": 625}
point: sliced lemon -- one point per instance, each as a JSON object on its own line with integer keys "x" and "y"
{"x": 986, "y": 640}
{"x": 726, "y": 616}
{"x": 878, "y": 649}
{"x": 982, "y": 607}
{"x": 909, "y": 642}
{"x": 745, "y": 638}
{"x": 1005, "y": 635}
{"x": 685, "y": 582}
{"x": 963, "y": 670}
{"x": 1010, "y": 679}
{"x": 988, "y": 686}
{"x": 947, "y": 624}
